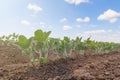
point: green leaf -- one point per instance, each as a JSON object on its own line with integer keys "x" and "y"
{"x": 43, "y": 60}
{"x": 23, "y": 42}
{"x": 39, "y": 35}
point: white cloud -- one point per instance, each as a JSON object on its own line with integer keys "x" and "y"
{"x": 34, "y": 7}
{"x": 46, "y": 26}
{"x": 109, "y": 15}
{"x": 101, "y": 35}
{"x": 42, "y": 24}
{"x": 33, "y": 15}
{"x": 76, "y": 2}
{"x": 63, "y": 20}
{"x": 66, "y": 27}
{"x": 110, "y": 30}
{"x": 92, "y": 25}
{"x": 25, "y": 22}
{"x": 118, "y": 26}
{"x": 118, "y": 32}
{"x": 95, "y": 32}
{"x": 78, "y": 26}
{"x": 33, "y": 28}
{"x": 86, "y": 19}
{"x": 113, "y": 37}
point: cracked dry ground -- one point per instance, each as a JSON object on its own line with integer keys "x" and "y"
{"x": 99, "y": 67}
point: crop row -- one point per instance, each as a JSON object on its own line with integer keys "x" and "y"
{"x": 42, "y": 45}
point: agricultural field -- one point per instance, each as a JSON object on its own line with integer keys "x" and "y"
{"x": 41, "y": 57}
{"x": 59, "y": 40}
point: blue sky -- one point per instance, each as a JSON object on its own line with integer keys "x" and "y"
{"x": 99, "y": 19}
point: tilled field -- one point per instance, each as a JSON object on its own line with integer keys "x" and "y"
{"x": 99, "y": 67}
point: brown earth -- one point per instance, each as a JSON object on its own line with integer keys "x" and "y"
{"x": 97, "y": 67}
{"x": 11, "y": 55}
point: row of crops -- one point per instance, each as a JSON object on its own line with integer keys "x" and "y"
{"x": 42, "y": 45}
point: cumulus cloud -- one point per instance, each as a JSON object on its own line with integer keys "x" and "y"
{"x": 76, "y": 2}
{"x": 33, "y": 28}
{"x": 110, "y": 30}
{"x": 86, "y": 19}
{"x": 101, "y": 35}
{"x": 92, "y": 25}
{"x": 33, "y": 15}
{"x": 78, "y": 26}
{"x": 95, "y": 32}
{"x": 108, "y": 37}
{"x": 34, "y": 7}
{"x": 25, "y": 22}
{"x": 119, "y": 27}
{"x": 43, "y": 24}
{"x": 109, "y": 15}
{"x": 63, "y": 20}
{"x": 66, "y": 27}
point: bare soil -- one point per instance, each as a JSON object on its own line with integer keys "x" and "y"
{"x": 11, "y": 55}
{"x": 95, "y": 67}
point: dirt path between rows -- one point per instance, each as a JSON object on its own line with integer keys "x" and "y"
{"x": 100, "y": 67}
